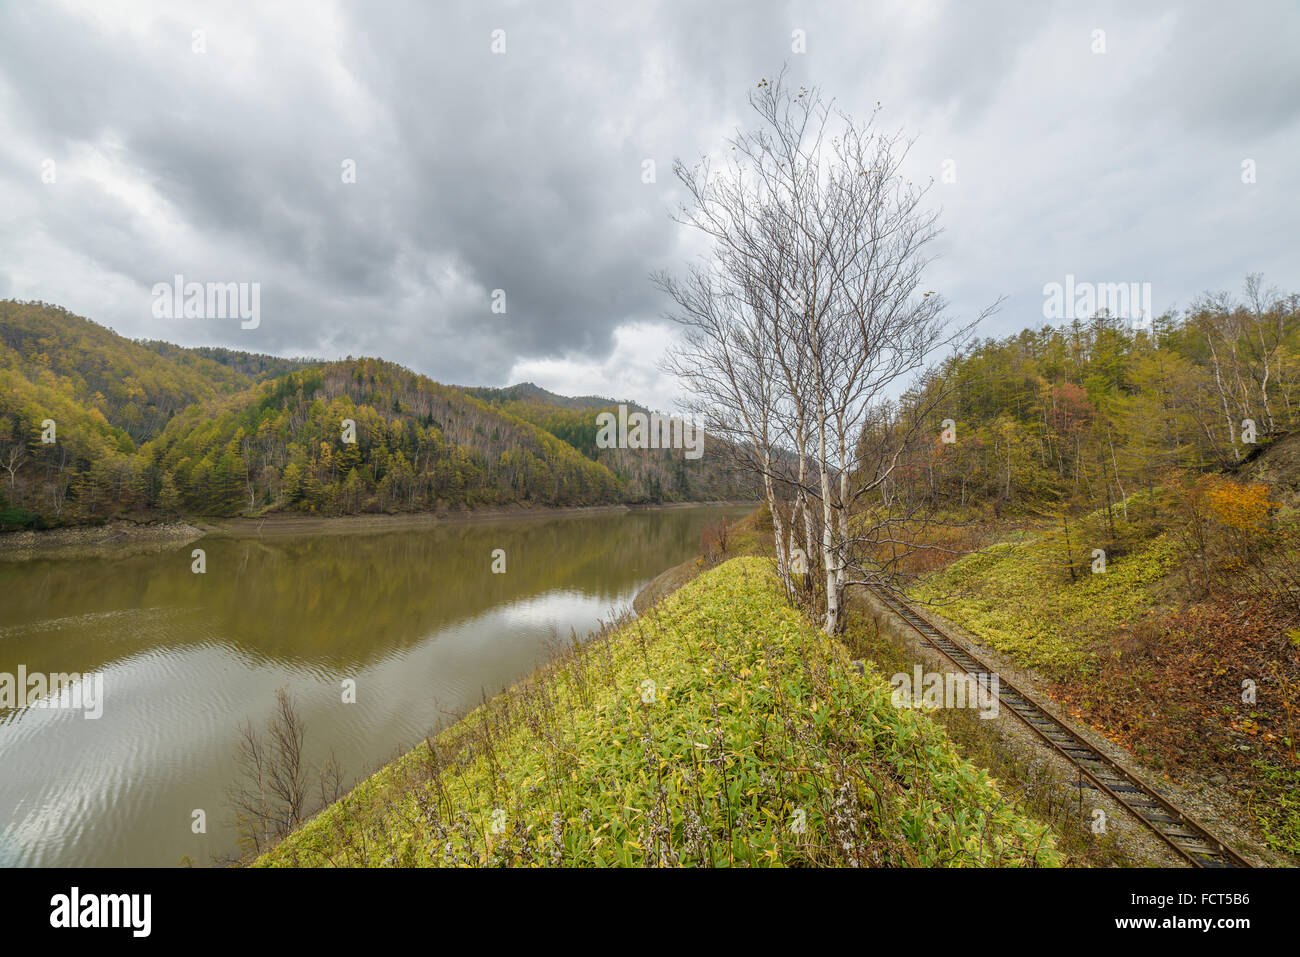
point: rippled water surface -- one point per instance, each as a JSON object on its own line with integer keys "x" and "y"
{"x": 416, "y": 618}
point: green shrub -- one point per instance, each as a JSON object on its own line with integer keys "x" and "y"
{"x": 13, "y": 519}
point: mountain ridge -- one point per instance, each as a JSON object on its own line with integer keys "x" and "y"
{"x": 152, "y": 429}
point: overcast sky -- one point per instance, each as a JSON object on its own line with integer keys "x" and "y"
{"x": 522, "y": 170}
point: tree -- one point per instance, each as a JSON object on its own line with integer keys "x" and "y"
{"x": 808, "y": 312}
{"x": 13, "y": 454}
{"x": 168, "y": 498}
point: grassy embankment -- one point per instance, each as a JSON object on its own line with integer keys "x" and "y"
{"x": 1041, "y": 792}
{"x": 1155, "y": 665}
{"x": 719, "y": 729}
{"x": 1013, "y": 596}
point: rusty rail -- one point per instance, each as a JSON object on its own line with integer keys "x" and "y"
{"x": 1191, "y": 840}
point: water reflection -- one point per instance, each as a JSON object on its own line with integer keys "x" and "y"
{"x": 416, "y": 618}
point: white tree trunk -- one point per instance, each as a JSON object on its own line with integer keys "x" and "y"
{"x": 782, "y": 564}
{"x": 830, "y": 562}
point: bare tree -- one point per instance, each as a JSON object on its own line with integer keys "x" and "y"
{"x": 725, "y": 360}
{"x": 13, "y": 454}
{"x": 269, "y": 799}
{"x": 1270, "y": 328}
{"x": 1247, "y": 358}
{"x": 12, "y": 458}
{"x": 810, "y": 314}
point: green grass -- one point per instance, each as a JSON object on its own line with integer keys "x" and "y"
{"x": 1018, "y": 598}
{"x": 1045, "y": 793}
{"x": 1274, "y": 805}
{"x": 756, "y": 723}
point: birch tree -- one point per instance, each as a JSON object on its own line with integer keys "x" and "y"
{"x": 808, "y": 315}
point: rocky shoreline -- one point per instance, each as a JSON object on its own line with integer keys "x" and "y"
{"x": 88, "y": 541}
{"x": 118, "y": 537}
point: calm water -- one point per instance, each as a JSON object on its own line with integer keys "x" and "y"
{"x": 416, "y": 618}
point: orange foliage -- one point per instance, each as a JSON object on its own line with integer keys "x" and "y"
{"x": 1238, "y": 506}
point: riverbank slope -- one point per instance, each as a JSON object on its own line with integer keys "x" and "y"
{"x": 719, "y": 729}
{"x": 121, "y": 536}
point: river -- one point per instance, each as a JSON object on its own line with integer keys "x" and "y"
{"x": 416, "y": 620}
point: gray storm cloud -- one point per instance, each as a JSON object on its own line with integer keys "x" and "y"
{"x": 522, "y": 171}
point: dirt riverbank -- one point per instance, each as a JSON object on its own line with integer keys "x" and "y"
{"x": 125, "y": 537}
{"x": 290, "y": 523}
{"x": 88, "y": 541}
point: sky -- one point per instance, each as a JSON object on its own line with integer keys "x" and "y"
{"x": 381, "y": 170}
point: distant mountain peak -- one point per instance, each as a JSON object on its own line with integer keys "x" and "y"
{"x": 532, "y": 392}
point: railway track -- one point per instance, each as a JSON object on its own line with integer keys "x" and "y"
{"x": 1188, "y": 838}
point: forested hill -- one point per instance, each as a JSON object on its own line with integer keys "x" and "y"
{"x": 1085, "y": 414}
{"x": 653, "y": 474}
{"x": 254, "y": 365}
{"x": 529, "y": 392}
{"x": 418, "y": 445}
{"x": 151, "y": 430}
{"x": 130, "y": 386}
